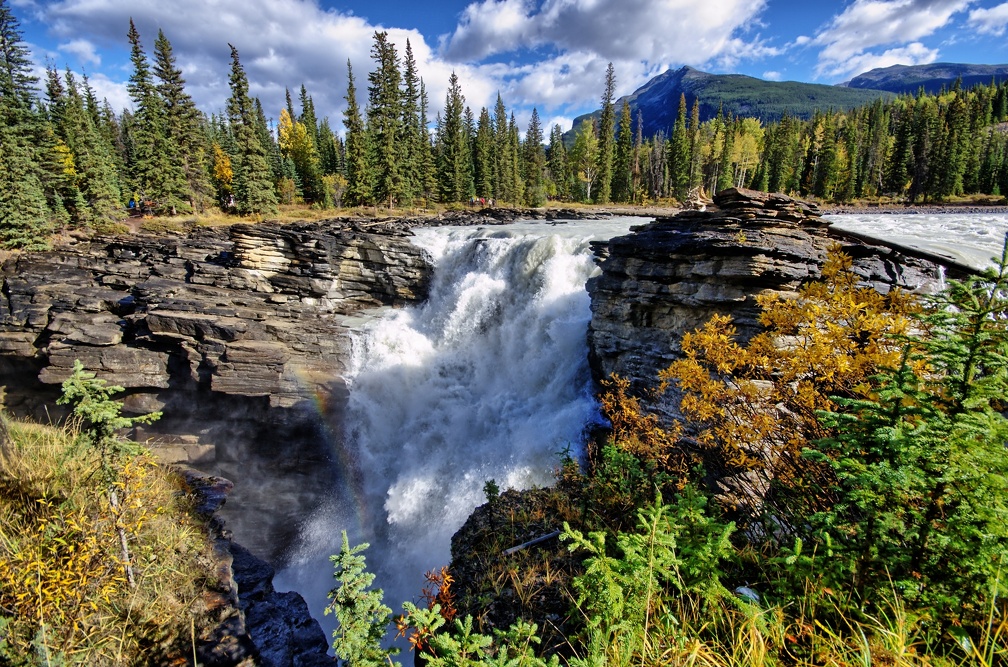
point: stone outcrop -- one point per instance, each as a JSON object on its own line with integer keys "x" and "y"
{"x": 668, "y": 277}
{"x": 240, "y": 335}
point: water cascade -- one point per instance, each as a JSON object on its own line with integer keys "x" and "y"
{"x": 488, "y": 379}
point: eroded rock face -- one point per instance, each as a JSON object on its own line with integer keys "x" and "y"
{"x": 670, "y": 276}
{"x": 240, "y": 335}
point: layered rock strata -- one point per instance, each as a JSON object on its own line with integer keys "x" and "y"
{"x": 668, "y": 277}
{"x": 240, "y": 335}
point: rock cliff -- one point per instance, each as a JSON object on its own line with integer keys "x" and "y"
{"x": 668, "y": 277}
{"x": 240, "y": 335}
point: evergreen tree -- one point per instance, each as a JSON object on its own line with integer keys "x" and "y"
{"x": 427, "y": 168}
{"x": 623, "y": 189}
{"x": 535, "y": 163}
{"x": 93, "y": 168}
{"x": 483, "y": 164}
{"x": 184, "y": 126}
{"x": 678, "y": 154}
{"x": 605, "y": 139}
{"x": 155, "y": 171}
{"x": 414, "y": 134}
{"x": 385, "y": 122}
{"x": 452, "y": 160}
{"x": 693, "y": 133}
{"x": 253, "y": 186}
{"x": 558, "y": 167}
{"x": 503, "y": 188}
{"x": 515, "y": 160}
{"x": 726, "y": 174}
{"x": 24, "y": 212}
{"x": 358, "y": 161}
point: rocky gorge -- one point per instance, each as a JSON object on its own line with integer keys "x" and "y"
{"x": 242, "y": 335}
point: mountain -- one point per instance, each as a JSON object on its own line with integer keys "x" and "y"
{"x": 911, "y": 78}
{"x": 740, "y": 95}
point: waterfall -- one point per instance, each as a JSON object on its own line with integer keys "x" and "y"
{"x": 488, "y": 379}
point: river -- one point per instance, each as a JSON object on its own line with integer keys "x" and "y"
{"x": 488, "y": 379}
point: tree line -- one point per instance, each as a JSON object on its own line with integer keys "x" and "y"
{"x": 69, "y": 160}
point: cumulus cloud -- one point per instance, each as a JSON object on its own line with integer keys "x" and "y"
{"x": 991, "y": 21}
{"x": 549, "y": 53}
{"x": 281, "y": 44}
{"x": 666, "y": 32}
{"x": 83, "y": 49}
{"x": 850, "y": 42}
{"x": 772, "y": 75}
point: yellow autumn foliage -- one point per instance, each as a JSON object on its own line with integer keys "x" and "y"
{"x": 63, "y": 589}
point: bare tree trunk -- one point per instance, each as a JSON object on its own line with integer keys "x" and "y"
{"x": 124, "y": 545}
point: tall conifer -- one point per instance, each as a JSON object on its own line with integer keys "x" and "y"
{"x": 605, "y": 138}
{"x": 358, "y": 161}
{"x": 253, "y": 185}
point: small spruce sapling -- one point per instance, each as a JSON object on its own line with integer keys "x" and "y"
{"x": 101, "y": 419}
{"x": 362, "y": 615}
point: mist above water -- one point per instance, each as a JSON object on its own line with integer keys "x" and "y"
{"x": 488, "y": 379}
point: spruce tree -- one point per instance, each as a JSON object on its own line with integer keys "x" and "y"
{"x": 605, "y": 139}
{"x": 558, "y": 164}
{"x": 385, "y": 122}
{"x": 678, "y": 156}
{"x": 253, "y": 186}
{"x": 503, "y": 188}
{"x": 452, "y": 159}
{"x": 155, "y": 170}
{"x": 184, "y": 126}
{"x": 414, "y": 134}
{"x": 483, "y": 165}
{"x": 24, "y": 213}
{"x": 535, "y": 163}
{"x": 622, "y": 177}
{"x": 358, "y": 161}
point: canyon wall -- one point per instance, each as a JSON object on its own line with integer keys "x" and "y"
{"x": 670, "y": 276}
{"x": 240, "y": 335}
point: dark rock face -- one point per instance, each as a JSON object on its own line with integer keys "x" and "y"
{"x": 668, "y": 277}
{"x": 239, "y": 335}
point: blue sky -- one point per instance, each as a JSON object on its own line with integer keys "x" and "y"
{"x": 550, "y": 54}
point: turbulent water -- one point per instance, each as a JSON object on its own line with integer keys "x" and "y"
{"x": 488, "y": 379}
{"x": 970, "y": 239}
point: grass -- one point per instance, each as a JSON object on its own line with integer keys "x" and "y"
{"x": 64, "y": 598}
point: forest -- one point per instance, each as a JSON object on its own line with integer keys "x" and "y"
{"x": 71, "y": 161}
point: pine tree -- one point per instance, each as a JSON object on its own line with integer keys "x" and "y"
{"x": 483, "y": 165}
{"x": 414, "y": 134}
{"x": 155, "y": 172}
{"x": 678, "y": 155}
{"x": 24, "y": 213}
{"x": 605, "y": 139}
{"x": 358, "y": 161}
{"x": 726, "y": 173}
{"x": 535, "y": 163}
{"x": 452, "y": 159}
{"x": 558, "y": 164}
{"x": 253, "y": 186}
{"x": 623, "y": 189}
{"x": 385, "y": 123}
{"x": 94, "y": 170}
{"x": 503, "y": 188}
{"x": 427, "y": 167}
{"x": 515, "y": 160}
{"x": 184, "y": 126}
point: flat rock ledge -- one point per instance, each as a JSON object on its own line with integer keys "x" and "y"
{"x": 669, "y": 277}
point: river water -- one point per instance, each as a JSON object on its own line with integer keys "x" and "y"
{"x": 488, "y": 379}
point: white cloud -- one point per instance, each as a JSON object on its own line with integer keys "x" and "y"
{"x": 665, "y": 32}
{"x": 284, "y": 43}
{"x": 991, "y": 21}
{"x": 849, "y": 41}
{"x": 83, "y": 50}
{"x": 772, "y": 75}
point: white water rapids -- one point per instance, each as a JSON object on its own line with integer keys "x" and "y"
{"x": 488, "y": 379}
